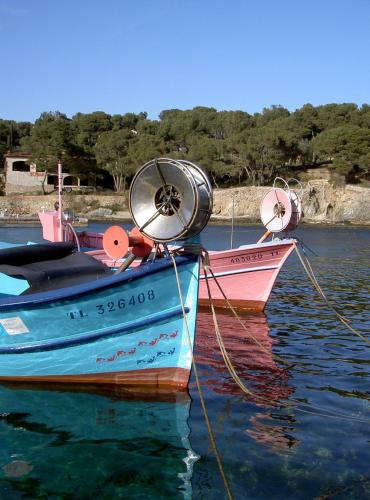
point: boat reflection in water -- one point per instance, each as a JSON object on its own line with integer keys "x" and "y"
{"x": 257, "y": 368}
{"x": 61, "y": 444}
{"x": 58, "y": 444}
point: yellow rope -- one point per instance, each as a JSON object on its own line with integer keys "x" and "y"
{"x": 232, "y": 370}
{"x": 309, "y": 271}
{"x": 225, "y": 355}
{"x": 200, "y": 391}
{"x": 230, "y": 306}
{"x": 236, "y": 378}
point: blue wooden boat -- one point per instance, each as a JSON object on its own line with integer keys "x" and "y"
{"x": 74, "y": 320}
{"x": 79, "y": 322}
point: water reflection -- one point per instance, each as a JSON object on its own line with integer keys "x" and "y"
{"x": 251, "y": 353}
{"x": 58, "y": 444}
{"x": 267, "y": 430}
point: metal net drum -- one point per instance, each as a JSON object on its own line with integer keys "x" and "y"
{"x": 170, "y": 199}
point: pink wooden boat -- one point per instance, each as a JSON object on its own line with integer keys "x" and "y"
{"x": 246, "y": 274}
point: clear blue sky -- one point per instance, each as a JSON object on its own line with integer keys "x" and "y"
{"x": 123, "y": 56}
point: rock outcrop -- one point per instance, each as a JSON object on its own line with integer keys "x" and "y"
{"x": 323, "y": 202}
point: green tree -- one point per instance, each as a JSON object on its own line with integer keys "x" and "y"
{"x": 268, "y": 114}
{"x": 334, "y": 115}
{"x": 305, "y": 122}
{"x": 177, "y": 129}
{"x": 51, "y": 141}
{"x": 145, "y": 146}
{"x": 88, "y": 127}
{"x": 128, "y": 120}
{"x": 232, "y": 145}
{"x": 112, "y": 154}
{"x": 362, "y": 117}
{"x": 11, "y": 133}
{"x": 210, "y": 154}
{"x": 346, "y": 147}
{"x": 5, "y": 136}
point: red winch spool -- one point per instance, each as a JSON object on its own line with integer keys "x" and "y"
{"x": 141, "y": 244}
{"x": 116, "y": 243}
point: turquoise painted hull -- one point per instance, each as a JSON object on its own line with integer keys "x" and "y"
{"x": 126, "y": 328}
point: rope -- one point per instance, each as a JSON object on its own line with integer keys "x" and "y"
{"x": 296, "y": 405}
{"x": 71, "y": 228}
{"x": 221, "y": 344}
{"x": 225, "y": 355}
{"x": 261, "y": 346}
{"x": 309, "y": 271}
{"x": 200, "y": 391}
{"x": 304, "y": 245}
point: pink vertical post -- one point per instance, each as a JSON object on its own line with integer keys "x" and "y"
{"x": 60, "y": 209}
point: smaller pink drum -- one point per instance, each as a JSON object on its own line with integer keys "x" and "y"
{"x": 276, "y": 210}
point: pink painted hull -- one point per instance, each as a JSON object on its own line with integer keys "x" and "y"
{"x": 246, "y": 274}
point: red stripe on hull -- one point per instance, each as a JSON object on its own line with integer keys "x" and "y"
{"x": 241, "y": 305}
{"x": 153, "y": 378}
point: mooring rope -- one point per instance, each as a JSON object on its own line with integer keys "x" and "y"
{"x": 296, "y": 405}
{"x": 255, "y": 340}
{"x": 311, "y": 275}
{"x": 200, "y": 391}
{"x": 225, "y": 354}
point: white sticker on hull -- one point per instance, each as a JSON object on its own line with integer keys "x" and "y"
{"x": 14, "y": 326}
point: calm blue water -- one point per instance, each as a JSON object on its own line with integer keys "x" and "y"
{"x": 304, "y": 434}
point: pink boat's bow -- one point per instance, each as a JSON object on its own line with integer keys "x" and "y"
{"x": 246, "y": 274}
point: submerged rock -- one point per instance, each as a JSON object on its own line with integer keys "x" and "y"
{"x": 17, "y": 468}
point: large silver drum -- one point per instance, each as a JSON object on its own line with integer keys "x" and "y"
{"x": 170, "y": 199}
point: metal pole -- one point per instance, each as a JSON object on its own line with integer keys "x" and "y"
{"x": 232, "y": 224}
{"x": 60, "y": 208}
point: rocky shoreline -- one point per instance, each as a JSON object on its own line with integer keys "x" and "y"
{"x": 323, "y": 203}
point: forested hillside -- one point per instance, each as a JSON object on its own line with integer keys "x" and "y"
{"x": 235, "y": 147}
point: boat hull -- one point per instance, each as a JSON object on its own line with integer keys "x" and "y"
{"x": 246, "y": 275}
{"x": 125, "y": 329}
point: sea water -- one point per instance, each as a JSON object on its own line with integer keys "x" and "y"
{"x": 303, "y": 432}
